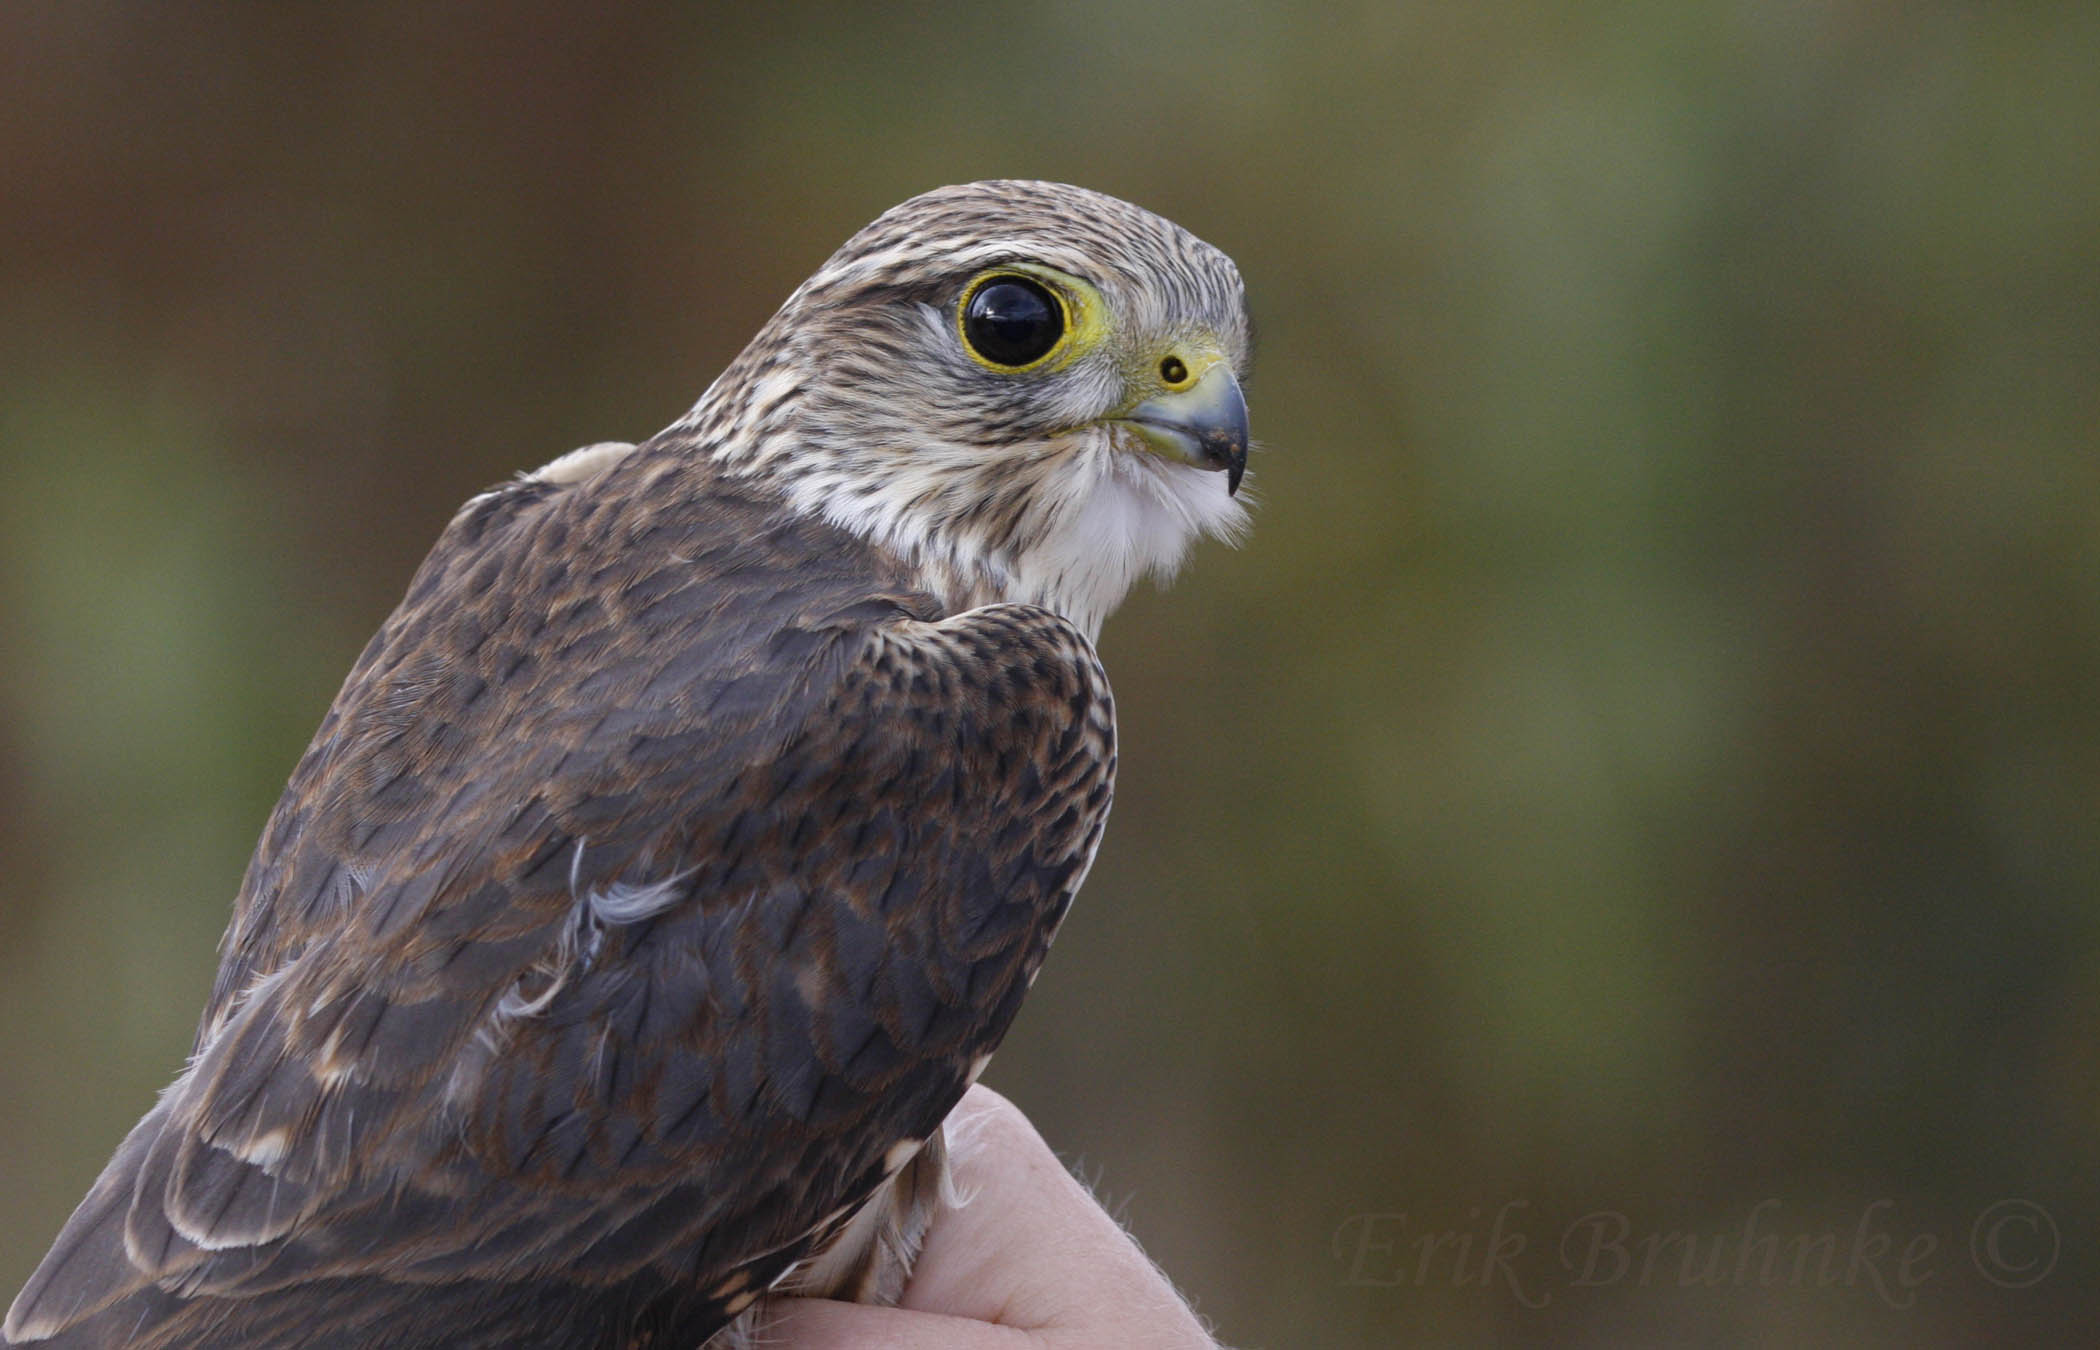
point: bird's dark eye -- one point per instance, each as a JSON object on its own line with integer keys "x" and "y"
{"x": 1012, "y": 321}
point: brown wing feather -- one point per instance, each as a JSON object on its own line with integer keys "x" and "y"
{"x": 654, "y": 874}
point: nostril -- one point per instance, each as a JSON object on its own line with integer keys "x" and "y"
{"x": 1173, "y": 371}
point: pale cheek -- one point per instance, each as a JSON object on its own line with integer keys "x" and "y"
{"x": 1081, "y": 397}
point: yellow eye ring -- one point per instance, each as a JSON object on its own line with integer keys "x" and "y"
{"x": 1012, "y": 322}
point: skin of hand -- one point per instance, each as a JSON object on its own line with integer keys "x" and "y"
{"x": 1030, "y": 1261}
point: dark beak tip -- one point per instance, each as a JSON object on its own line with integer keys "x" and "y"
{"x": 1227, "y": 449}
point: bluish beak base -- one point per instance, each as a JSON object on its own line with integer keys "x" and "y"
{"x": 1205, "y": 424}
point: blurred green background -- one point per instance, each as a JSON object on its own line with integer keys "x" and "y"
{"x": 1640, "y": 781}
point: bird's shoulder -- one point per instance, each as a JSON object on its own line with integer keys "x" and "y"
{"x": 560, "y": 641}
{"x": 661, "y": 837}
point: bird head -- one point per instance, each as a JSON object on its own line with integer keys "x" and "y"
{"x": 1029, "y": 390}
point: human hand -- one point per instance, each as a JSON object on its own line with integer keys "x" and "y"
{"x": 1030, "y": 1262}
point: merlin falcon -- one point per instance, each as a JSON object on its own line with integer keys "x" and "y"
{"x": 681, "y": 848}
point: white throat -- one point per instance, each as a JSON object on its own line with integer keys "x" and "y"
{"x": 1096, "y": 519}
{"x": 1132, "y": 516}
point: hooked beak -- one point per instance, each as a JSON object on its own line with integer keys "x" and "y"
{"x": 1204, "y": 424}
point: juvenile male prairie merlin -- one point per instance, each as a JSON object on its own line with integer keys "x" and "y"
{"x": 680, "y": 850}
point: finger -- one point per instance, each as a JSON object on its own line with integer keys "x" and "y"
{"x": 1030, "y": 1247}
{"x": 823, "y": 1324}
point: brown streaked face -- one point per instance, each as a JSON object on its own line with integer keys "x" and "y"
{"x": 1024, "y": 377}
